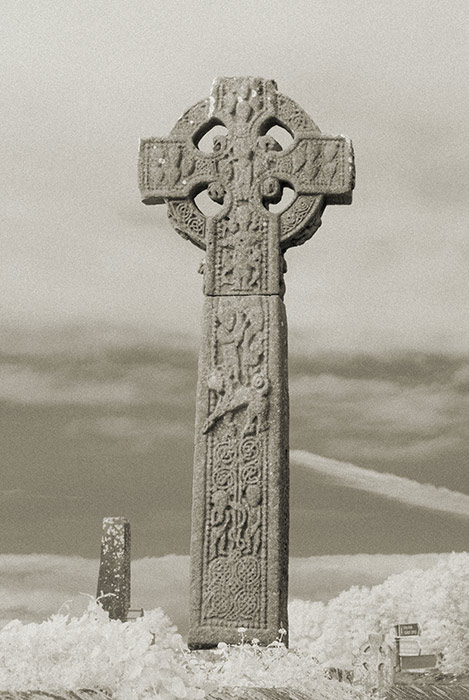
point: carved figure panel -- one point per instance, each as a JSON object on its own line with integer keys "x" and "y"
{"x": 170, "y": 168}
{"x": 317, "y": 164}
{"x": 242, "y": 100}
{"x": 239, "y": 393}
{"x": 242, "y": 253}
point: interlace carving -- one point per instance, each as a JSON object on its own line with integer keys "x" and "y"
{"x": 184, "y": 216}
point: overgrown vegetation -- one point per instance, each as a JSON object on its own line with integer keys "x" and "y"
{"x": 438, "y": 599}
{"x": 147, "y": 657}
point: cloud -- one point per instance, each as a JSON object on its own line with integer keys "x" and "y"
{"x": 461, "y": 378}
{"x": 87, "y": 339}
{"x": 139, "y": 435}
{"x": 135, "y": 385}
{"x": 383, "y": 405}
{"x": 83, "y": 367}
{"x": 133, "y": 389}
{"x": 324, "y": 577}
{"x": 398, "y": 488}
{"x": 34, "y": 586}
{"x": 393, "y": 407}
{"x": 10, "y": 495}
{"x": 402, "y": 451}
{"x": 26, "y": 385}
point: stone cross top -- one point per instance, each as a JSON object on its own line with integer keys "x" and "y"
{"x": 239, "y": 547}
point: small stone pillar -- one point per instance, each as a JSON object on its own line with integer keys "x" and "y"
{"x": 114, "y": 568}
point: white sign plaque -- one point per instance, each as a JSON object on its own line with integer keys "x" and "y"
{"x": 409, "y": 646}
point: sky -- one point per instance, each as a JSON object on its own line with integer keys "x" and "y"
{"x": 100, "y": 300}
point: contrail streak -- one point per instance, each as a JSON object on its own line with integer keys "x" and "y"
{"x": 398, "y": 488}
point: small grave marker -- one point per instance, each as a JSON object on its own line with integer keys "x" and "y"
{"x": 374, "y": 666}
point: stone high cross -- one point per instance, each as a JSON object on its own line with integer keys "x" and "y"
{"x": 240, "y": 512}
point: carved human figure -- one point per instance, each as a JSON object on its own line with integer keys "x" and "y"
{"x": 230, "y": 336}
{"x": 243, "y": 108}
{"x": 257, "y": 407}
{"x": 173, "y": 172}
{"x": 187, "y": 165}
{"x": 246, "y": 262}
{"x": 255, "y": 265}
{"x": 330, "y": 163}
{"x": 257, "y": 96}
{"x": 241, "y": 243}
{"x": 230, "y": 101}
{"x": 251, "y": 502}
{"x": 253, "y": 346}
{"x": 221, "y": 518}
{"x": 216, "y": 191}
{"x": 314, "y": 161}
{"x": 271, "y": 189}
{"x": 243, "y": 158}
{"x": 225, "y": 166}
{"x": 229, "y": 227}
{"x": 300, "y": 156}
{"x": 158, "y": 165}
{"x": 267, "y": 147}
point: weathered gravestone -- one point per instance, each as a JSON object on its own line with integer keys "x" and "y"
{"x": 239, "y": 546}
{"x": 114, "y": 568}
{"x": 374, "y": 666}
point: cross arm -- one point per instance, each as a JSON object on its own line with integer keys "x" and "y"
{"x": 316, "y": 164}
{"x": 170, "y": 168}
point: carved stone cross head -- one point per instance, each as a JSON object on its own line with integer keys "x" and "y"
{"x": 246, "y": 172}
